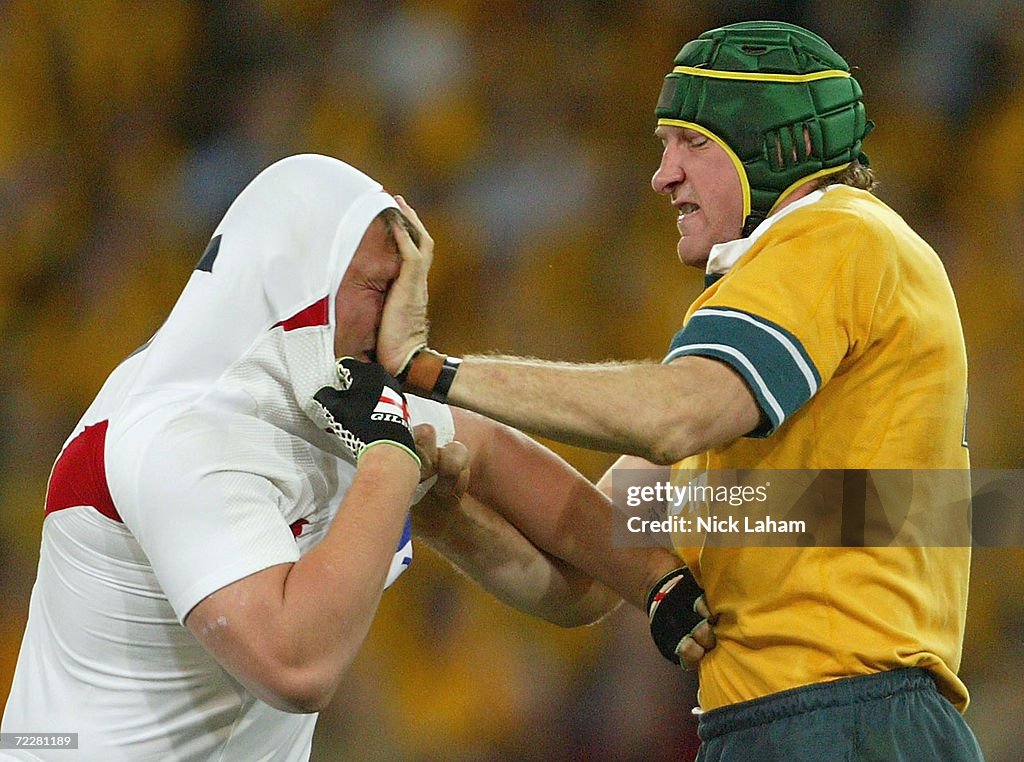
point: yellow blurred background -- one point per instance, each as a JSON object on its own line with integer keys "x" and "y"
{"x": 522, "y": 133}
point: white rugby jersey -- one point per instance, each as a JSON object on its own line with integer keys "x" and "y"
{"x": 198, "y": 464}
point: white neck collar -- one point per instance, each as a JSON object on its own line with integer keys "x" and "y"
{"x": 724, "y": 255}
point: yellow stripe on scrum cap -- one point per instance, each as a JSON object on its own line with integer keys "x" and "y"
{"x": 744, "y": 181}
{"x": 760, "y": 77}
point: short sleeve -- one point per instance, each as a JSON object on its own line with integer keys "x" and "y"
{"x": 786, "y": 317}
{"x": 205, "y": 513}
{"x": 770, "y": 359}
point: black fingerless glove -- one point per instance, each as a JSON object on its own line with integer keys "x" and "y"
{"x": 367, "y": 408}
{"x": 670, "y": 608}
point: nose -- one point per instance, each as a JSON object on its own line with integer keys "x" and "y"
{"x": 669, "y": 172}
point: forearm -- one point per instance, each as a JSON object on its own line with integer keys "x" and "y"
{"x": 555, "y": 508}
{"x": 661, "y": 413}
{"x": 289, "y": 632}
{"x": 493, "y": 553}
{"x": 333, "y": 591}
{"x": 557, "y": 400}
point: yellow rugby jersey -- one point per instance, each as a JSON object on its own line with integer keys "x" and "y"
{"x": 844, "y": 325}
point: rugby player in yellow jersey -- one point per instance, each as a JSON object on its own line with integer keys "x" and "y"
{"x": 827, "y": 338}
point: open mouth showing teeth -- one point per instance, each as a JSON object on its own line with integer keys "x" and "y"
{"x": 685, "y": 209}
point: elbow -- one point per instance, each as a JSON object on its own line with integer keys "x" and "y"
{"x": 670, "y": 443}
{"x": 294, "y": 683}
{"x": 297, "y": 690}
{"x": 661, "y": 456}
{"x": 674, "y": 440}
{"x": 697, "y": 422}
{"x": 305, "y": 682}
{"x": 669, "y": 434}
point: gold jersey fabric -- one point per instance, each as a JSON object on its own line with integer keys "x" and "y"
{"x": 843, "y": 322}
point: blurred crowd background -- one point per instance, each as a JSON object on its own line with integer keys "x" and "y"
{"x": 522, "y": 133}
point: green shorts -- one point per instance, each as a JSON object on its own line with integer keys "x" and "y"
{"x": 896, "y": 716}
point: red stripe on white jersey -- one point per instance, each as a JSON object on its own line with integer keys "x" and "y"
{"x": 314, "y": 314}
{"x": 79, "y": 476}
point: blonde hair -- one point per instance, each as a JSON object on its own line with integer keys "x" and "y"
{"x": 856, "y": 174}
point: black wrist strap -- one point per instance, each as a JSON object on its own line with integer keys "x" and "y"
{"x": 444, "y": 379}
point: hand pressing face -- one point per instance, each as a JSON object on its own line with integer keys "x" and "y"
{"x": 360, "y": 299}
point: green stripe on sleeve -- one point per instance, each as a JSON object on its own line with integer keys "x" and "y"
{"x": 771, "y": 360}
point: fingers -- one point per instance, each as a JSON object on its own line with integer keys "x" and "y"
{"x": 704, "y": 635}
{"x": 701, "y": 607}
{"x": 415, "y": 258}
{"x": 426, "y": 448}
{"x": 403, "y": 327}
{"x": 426, "y": 247}
{"x": 690, "y": 654}
{"x": 695, "y": 646}
{"x": 452, "y": 470}
{"x": 701, "y": 639}
{"x": 449, "y": 463}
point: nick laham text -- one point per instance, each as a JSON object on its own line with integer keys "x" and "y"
{"x": 716, "y": 525}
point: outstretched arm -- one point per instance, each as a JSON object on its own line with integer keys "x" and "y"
{"x": 661, "y": 413}
{"x": 491, "y": 551}
{"x": 685, "y": 623}
{"x": 534, "y": 531}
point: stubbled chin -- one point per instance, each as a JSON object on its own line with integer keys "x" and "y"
{"x": 690, "y": 255}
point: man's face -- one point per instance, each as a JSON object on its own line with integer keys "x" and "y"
{"x": 704, "y": 187}
{"x": 360, "y": 300}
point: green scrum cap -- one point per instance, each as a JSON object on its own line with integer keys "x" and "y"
{"x": 761, "y": 89}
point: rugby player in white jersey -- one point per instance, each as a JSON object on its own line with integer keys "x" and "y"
{"x": 222, "y": 521}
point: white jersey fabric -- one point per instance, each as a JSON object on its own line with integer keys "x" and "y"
{"x": 199, "y": 464}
